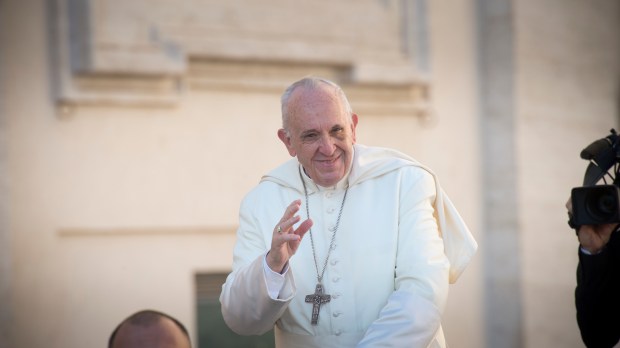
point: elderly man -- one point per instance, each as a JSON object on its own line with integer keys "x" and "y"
{"x": 373, "y": 269}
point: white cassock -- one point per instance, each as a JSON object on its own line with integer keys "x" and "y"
{"x": 399, "y": 244}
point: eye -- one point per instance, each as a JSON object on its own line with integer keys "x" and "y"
{"x": 309, "y": 136}
{"x": 337, "y": 130}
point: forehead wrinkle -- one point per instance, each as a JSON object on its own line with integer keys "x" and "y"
{"x": 304, "y": 102}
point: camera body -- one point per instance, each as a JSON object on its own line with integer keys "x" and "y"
{"x": 594, "y": 203}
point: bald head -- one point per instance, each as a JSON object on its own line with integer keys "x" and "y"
{"x": 150, "y": 329}
{"x": 308, "y": 86}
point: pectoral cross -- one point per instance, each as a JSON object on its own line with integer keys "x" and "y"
{"x": 317, "y": 299}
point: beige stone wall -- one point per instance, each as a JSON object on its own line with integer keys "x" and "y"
{"x": 125, "y": 153}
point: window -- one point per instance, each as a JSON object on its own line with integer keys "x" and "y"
{"x": 212, "y": 331}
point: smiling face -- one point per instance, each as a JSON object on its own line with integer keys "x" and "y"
{"x": 320, "y": 132}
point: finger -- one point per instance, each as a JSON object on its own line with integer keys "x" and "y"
{"x": 289, "y": 237}
{"x": 569, "y": 205}
{"x": 284, "y": 227}
{"x": 289, "y": 218}
{"x": 303, "y": 228}
{"x": 291, "y": 210}
{"x": 298, "y": 233}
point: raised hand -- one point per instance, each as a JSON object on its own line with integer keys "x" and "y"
{"x": 286, "y": 238}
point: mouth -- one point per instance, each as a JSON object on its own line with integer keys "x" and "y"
{"x": 328, "y": 161}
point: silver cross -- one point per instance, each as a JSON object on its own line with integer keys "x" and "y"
{"x": 317, "y": 299}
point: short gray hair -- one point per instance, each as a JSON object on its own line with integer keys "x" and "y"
{"x": 311, "y": 83}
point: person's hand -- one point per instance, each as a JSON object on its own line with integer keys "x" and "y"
{"x": 594, "y": 237}
{"x": 286, "y": 238}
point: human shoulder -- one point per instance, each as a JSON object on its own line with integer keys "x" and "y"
{"x": 283, "y": 178}
{"x": 374, "y": 162}
{"x": 417, "y": 173}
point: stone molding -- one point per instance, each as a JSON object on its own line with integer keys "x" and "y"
{"x": 149, "y": 52}
{"x": 77, "y": 232}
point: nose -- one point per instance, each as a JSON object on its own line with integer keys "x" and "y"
{"x": 326, "y": 146}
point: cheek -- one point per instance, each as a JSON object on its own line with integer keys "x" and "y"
{"x": 345, "y": 144}
{"x": 305, "y": 152}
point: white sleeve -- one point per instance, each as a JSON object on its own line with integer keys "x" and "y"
{"x": 275, "y": 281}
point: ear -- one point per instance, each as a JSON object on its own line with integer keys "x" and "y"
{"x": 353, "y": 126}
{"x": 287, "y": 142}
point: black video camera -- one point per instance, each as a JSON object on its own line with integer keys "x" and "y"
{"x": 597, "y": 203}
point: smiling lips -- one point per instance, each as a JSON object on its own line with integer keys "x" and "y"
{"x": 328, "y": 162}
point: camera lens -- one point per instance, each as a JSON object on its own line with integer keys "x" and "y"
{"x": 601, "y": 204}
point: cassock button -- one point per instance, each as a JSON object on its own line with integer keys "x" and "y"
{"x": 334, "y": 262}
{"x": 337, "y": 314}
{"x": 336, "y": 295}
{"x": 335, "y": 279}
{"x": 331, "y": 210}
{"x": 338, "y": 332}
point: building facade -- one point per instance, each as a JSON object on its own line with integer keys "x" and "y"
{"x": 130, "y": 131}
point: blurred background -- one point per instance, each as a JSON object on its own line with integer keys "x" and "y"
{"x": 131, "y": 130}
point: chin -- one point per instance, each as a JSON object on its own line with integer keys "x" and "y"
{"x": 330, "y": 180}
